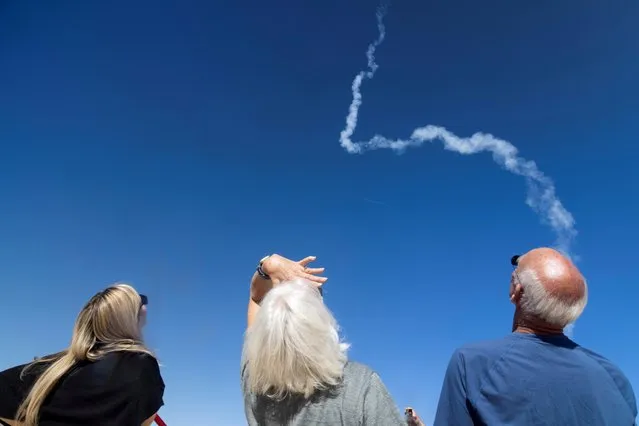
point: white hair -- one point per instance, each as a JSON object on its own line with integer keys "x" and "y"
{"x": 537, "y": 301}
{"x": 293, "y": 346}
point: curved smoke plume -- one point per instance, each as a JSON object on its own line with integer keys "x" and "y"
{"x": 541, "y": 195}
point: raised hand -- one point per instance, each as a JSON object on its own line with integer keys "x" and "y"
{"x": 281, "y": 269}
{"x": 412, "y": 419}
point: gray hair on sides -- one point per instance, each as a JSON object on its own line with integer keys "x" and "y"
{"x": 537, "y": 301}
{"x": 293, "y": 347}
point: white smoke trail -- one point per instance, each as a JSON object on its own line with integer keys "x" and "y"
{"x": 541, "y": 195}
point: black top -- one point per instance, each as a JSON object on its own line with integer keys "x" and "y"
{"x": 122, "y": 388}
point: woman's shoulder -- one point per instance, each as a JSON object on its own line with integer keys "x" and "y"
{"x": 358, "y": 375}
{"x": 357, "y": 369}
{"x": 13, "y": 376}
{"x": 133, "y": 357}
{"x": 134, "y": 364}
{"x": 28, "y": 372}
{"x": 126, "y": 371}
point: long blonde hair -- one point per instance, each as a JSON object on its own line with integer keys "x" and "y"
{"x": 109, "y": 322}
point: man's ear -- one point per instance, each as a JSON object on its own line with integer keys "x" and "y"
{"x": 515, "y": 295}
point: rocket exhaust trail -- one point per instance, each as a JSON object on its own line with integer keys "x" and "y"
{"x": 541, "y": 196}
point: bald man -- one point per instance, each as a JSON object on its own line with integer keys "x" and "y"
{"x": 537, "y": 375}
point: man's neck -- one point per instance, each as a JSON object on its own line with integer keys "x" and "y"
{"x": 539, "y": 331}
{"x": 534, "y": 326}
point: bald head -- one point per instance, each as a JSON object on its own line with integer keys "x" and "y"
{"x": 559, "y": 276}
{"x": 551, "y": 287}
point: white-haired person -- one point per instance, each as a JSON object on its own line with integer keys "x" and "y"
{"x": 295, "y": 370}
{"x": 106, "y": 377}
{"x": 537, "y": 375}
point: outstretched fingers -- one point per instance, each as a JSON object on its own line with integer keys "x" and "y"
{"x": 307, "y": 260}
{"x": 315, "y": 278}
{"x": 312, "y": 274}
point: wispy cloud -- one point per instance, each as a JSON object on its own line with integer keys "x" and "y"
{"x": 541, "y": 196}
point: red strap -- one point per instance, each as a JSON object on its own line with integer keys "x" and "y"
{"x": 159, "y": 421}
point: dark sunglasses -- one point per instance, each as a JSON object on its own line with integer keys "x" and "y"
{"x": 515, "y": 260}
{"x": 144, "y": 300}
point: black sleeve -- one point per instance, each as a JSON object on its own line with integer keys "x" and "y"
{"x": 150, "y": 388}
{"x": 13, "y": 390}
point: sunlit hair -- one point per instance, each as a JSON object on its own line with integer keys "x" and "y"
{"x": 540, "y": 303}
{"x": 293, "y": 347}
{"x": 109, "y": 322}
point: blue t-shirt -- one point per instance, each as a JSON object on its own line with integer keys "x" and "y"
{"x": 524, "y": 379}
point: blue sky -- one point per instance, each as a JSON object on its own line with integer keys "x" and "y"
{"x": 173, "y": 144}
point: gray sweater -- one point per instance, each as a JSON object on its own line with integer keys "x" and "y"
{"x": 361, "y": 400}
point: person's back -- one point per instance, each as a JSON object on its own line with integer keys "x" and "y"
{"x": 106, "y": 377}
{"x": 121, "y": 388}
{"x": 295, "y": 369}
{"x": 537, "y": 375}
{"x": 526, "y": 379}
{"x": 360, "y": 399}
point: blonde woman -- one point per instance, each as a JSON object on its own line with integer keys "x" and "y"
{"x": 107, "y": 376}
{"x": 295, "y": 370}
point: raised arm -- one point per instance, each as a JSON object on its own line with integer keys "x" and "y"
{"x": 272, "y": 271}
{"x": 259, "y": 287}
